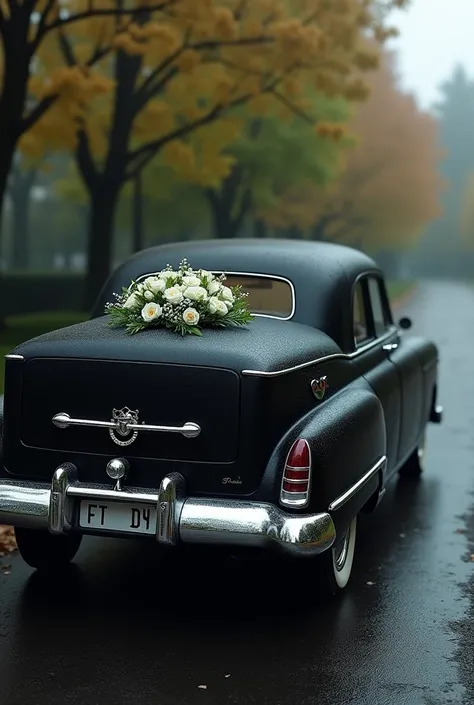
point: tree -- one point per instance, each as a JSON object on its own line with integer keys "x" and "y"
{"x": 467, "y": 213}
{"x": 389, "y": 188}
{"x": 24, "y": 27}
{"x": 443, "y": 249}
{"x": 178, "y": 70}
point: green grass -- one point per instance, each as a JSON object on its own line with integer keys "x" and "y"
{"x": 397, "y": 289}
{"x": 21, "y": 328}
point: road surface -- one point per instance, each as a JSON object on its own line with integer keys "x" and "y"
{"x": 129, "y": 626}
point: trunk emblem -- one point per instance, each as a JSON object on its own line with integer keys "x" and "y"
{"x": 319, "y": 387}
{"x": 122, "y": 418}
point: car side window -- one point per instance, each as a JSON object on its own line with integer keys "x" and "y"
{"x": 378, "y": 310}
{"x": 361, "y": 328}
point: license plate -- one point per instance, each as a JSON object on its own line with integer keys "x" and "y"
{"x": 118, "y": 516}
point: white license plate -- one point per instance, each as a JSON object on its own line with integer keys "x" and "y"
{"x": 118, "y": 516}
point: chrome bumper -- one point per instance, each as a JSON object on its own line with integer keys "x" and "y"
{"x": 180, "y": 519}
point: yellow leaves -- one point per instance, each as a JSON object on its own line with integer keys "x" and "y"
{"x": 332, "y": 131}
{"x": 224, "y": 23}
{"x": 188, "y": 60}
{"x": 155, "y": 120}
{"x": 125, "y": 42}
{"x": 180, "y": 156}
{"x": 356, "y": 90}
{"x": 366, "y": 60}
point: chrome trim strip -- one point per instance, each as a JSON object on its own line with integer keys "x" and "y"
{"x": 324, "y": 358}
{"x": 296, "y": 482}
{"x": 14, "y": 357}
{"x": 63, "y": 420}
{"x": 251, "y": 274}
{"x": 104, "y": 492}
{"x": 346, "y": 496}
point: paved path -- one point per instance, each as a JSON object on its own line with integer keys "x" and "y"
{"x": 128, "y": 628}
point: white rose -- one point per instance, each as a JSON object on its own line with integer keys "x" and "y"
{"x": 132, "y": 301}
{"x": 195, "y": 293}
{"x": 148, "y": 295}
{"x": 155, "y": 284}
{"x": 217, "y": 306}
{"x": 214, "y": 287}
{"x": 190, "y": 316}
{"x": 173, "y": 295}
{"x": 151, "y": 311}
{"x": 168, "y": 274}
{"x": 206, "y": 275}
{"x": 226, "y": 294}
{"x": 191, "y": 280}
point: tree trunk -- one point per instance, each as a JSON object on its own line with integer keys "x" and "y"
{"x": 7, "y": 150}
{"x": 99, "y": 244}
{"x": 20, "y": 194}
{"x": 137, "y": 213}
{"x": 259, "y": 228}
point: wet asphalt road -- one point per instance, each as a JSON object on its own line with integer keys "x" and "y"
{"x": 131, "y": 625}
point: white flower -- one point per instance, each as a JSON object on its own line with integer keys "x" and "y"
{"x": 132, "y": 301}
{"x": 214, "y": 287}
{"x": 204, "y": 274}
{"x": 173, "y": 295}
{"x": 148, "y": 295}
{"x": 151, "y": 311}
{"x": 227, "y": 294}
{"x": 191, "y": 280}
{"x": 195, "y": 293}
{"x": 190, "y": 316}
{"x": 217, "y": 306}
{"x": 168, "y": 274}
{"x": 155, "y": 284}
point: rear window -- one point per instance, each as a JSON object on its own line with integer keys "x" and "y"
{"x": 268, "y": 296}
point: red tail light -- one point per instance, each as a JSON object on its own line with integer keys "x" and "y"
{"x": 296, "y": 479}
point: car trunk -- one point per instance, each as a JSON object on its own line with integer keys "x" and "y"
{"x": 161, "y": 394}
{"x": 89, "y": 370}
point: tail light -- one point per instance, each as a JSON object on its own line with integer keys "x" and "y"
{"x": 295, "y": 484}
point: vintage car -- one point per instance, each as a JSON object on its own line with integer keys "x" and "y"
{"x": 274, "y": 435}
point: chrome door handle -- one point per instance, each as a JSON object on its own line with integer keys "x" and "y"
{"x": 390, "y": 346}
{"x": 189, "y": 429}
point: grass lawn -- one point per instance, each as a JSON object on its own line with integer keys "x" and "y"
{"x": 21, "y": 328}
{"x": 397, "y": 289}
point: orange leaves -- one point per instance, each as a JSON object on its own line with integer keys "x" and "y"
{"x": 188, "y": 60}
{"x": 155, "y": 120}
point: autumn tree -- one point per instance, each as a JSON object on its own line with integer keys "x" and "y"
{"x": 24, "y": 27}
{"x": 390, "y": 187}
{"x": 175, "y": 71}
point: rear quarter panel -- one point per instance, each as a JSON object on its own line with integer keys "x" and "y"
{"x": 347, "y": 438}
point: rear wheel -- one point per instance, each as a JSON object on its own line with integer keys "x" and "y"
{"x": 415, "y": 464}
{"x": 337, "y": 562}
{"x": 45, "y": 551}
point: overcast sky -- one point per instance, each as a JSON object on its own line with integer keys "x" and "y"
{"x": 434, "y": 36}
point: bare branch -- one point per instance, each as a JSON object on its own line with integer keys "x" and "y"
{"x": 44, "y": 18}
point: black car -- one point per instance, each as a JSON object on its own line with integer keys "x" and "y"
{"x": 275, "y": 435}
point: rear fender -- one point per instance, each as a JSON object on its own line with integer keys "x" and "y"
{"x": 347, "y": 438}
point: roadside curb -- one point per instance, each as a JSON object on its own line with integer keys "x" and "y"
{"x": 403, "y": 300}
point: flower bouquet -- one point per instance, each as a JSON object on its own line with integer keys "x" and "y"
{"x": 183, "y": 300}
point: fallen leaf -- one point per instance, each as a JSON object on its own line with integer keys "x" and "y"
{"x": 203, "y": 687}
{"x": 7, "y": 539}
{"x": 472, "y": 557}
{"x": 402, "y": 536}
{"x": 227, "y": 675}
{"x": 370, "y": 583}
{"x": 6, "y": 572}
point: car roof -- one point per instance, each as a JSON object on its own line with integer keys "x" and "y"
{"x": 323, "y": 273}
